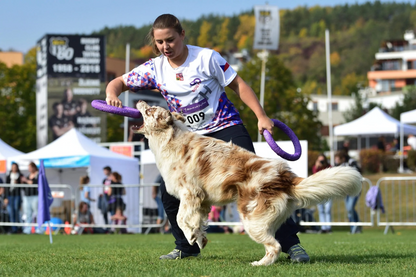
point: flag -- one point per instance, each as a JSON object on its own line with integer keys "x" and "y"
{"x": 44, "y": 198}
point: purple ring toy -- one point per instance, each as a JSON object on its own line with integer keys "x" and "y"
{"x": 124, "y": 111}
{"x": 293, "y": 138}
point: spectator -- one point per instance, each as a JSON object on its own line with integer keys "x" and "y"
{"x": 115, "y": 193}
{"x": 119, "y": 219}
{"x": 381, "y": 144}
{"x": 85, "y": 195}
{"x": 346, "y": 148}
{"x": 350, "y": 201}
{"x": 84, "y": 216}
{"x": 395, "y": 145}
{"x": 14, "y": 195}
{"x": 30, "y": 198}
{"x": 103, "y": 198}
{"x": 156, "y": 197}
{"x": 411, "y": 140}
{"x": 4, "y": 214}
{"x": 323, "y": 208}
{"x": 214, "y": 216}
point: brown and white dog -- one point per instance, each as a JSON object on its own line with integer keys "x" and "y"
{"x": 203, "y": 171}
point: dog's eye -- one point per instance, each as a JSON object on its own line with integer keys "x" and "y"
{"x": 150, "y": 111}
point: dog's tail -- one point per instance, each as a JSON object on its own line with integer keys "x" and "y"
{"x": 335, "y": 182}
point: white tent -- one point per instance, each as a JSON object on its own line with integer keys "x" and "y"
{"x": 5, "y": 152}
{"x": 406, "y": 117}
{"x": 375, "y": 122}
{"x": 74, "y": 155}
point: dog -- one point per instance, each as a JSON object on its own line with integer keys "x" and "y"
{"x": 203, "y": 171}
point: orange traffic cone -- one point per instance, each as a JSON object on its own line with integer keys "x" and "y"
{"x": 67, "y": 229}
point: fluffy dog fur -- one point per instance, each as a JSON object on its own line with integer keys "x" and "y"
{"x": 203, "y": 171}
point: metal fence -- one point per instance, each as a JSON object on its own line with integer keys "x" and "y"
{"x": 63, "y": 207}
{"x": 398, "y": 194}
{"x": 340, "y": 213}
{"x": 399, "y": 199}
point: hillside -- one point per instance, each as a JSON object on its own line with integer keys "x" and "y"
{"x": 356, "y": 33}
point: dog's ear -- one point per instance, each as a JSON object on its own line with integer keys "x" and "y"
{"x": 179, "y": 117}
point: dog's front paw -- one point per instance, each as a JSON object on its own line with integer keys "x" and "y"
{"x": 202, "y": 242}
{"x": 192, "y": 240}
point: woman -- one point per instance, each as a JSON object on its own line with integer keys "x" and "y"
{"x": 341, "y": 159}
{"x": 85, "y": 194}
{"x": 115, "y": 193}
{"x": 192, "y": 80}
{"x": 30, "y": 199}
{"x": 324, "y": 208}
{"x": 84, "y": 216}
{"x": 14, "y": 195}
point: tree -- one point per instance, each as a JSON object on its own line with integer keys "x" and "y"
{"x": 408, "y": 104}
{"x": 282, "y": 101}
{"x": 203, "y": 38}
{"x": 245, "y": 32}
{"x": 222, "y": 37}
{"x": 18, "y": 104}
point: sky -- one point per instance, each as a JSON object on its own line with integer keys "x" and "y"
{"x": 24, "y": 22}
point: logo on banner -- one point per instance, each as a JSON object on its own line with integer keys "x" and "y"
{"x": 179, "y": 77}
{"x": 265, "y": 16}
{"x": 58, "y": 47}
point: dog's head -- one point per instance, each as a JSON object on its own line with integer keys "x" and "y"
{"x": 156, "y": 118}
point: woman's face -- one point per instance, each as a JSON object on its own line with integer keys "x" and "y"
{"x": 321, "y": 160}
{"x": 169, "y": 42}
{"x": 32, "y": 169}
{"x": 14, "y": 168}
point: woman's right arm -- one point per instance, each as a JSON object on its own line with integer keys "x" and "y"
{"x": 113, "y": 90}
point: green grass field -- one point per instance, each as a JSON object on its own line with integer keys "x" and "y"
{"x": 338, "y": 254}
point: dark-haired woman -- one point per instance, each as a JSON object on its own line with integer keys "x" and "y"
{"x": 323, "y": 208}
{"x": 30, "y": 198}
{"x": 14, "y": 195}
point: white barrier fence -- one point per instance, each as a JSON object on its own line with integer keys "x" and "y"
{"x": 340, "y": 213}
{"x": 399, "y": 199}
{"x": 398, "y": 193}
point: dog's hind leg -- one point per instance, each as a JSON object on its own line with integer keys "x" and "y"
{"x": 261, "y": 232}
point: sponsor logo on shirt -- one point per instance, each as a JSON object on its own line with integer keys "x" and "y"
{"x": 195, "y": 82}
{"x": 179, "y": 77}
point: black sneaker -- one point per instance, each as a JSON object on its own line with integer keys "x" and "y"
{"x": 297, "y": 254}
{"x": 177, "y": 254}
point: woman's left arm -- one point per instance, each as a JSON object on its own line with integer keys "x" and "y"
{"x": 247, "y": 95}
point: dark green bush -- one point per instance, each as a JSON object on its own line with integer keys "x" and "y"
{"x": 411, "y": 159}
{"x": 370, "y": 159}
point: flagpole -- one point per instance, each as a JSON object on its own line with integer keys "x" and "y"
{"x": 50, "y": 232}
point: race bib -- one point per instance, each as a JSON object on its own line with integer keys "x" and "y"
{"x": 197, "y": 114}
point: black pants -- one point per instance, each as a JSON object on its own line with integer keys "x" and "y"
{"x": 286, "y": 235}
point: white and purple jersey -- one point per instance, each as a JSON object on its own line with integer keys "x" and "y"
{"x": 195, "y": 89}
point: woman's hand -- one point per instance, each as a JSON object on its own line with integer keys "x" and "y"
{"x": 113, "y": 90}
{"x": 113, "y": 100}
{"x": 265, "y": 123}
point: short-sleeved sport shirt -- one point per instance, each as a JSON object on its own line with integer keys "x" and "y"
{"x": 195, "y": 89}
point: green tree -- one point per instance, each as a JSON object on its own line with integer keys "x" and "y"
{"x": 222, "y": 37}
{"x": 282, "y": 101}
{"x": 203, "y": 38}
{"x": 408, "y": 104}
{"x": 18, "y": 104}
